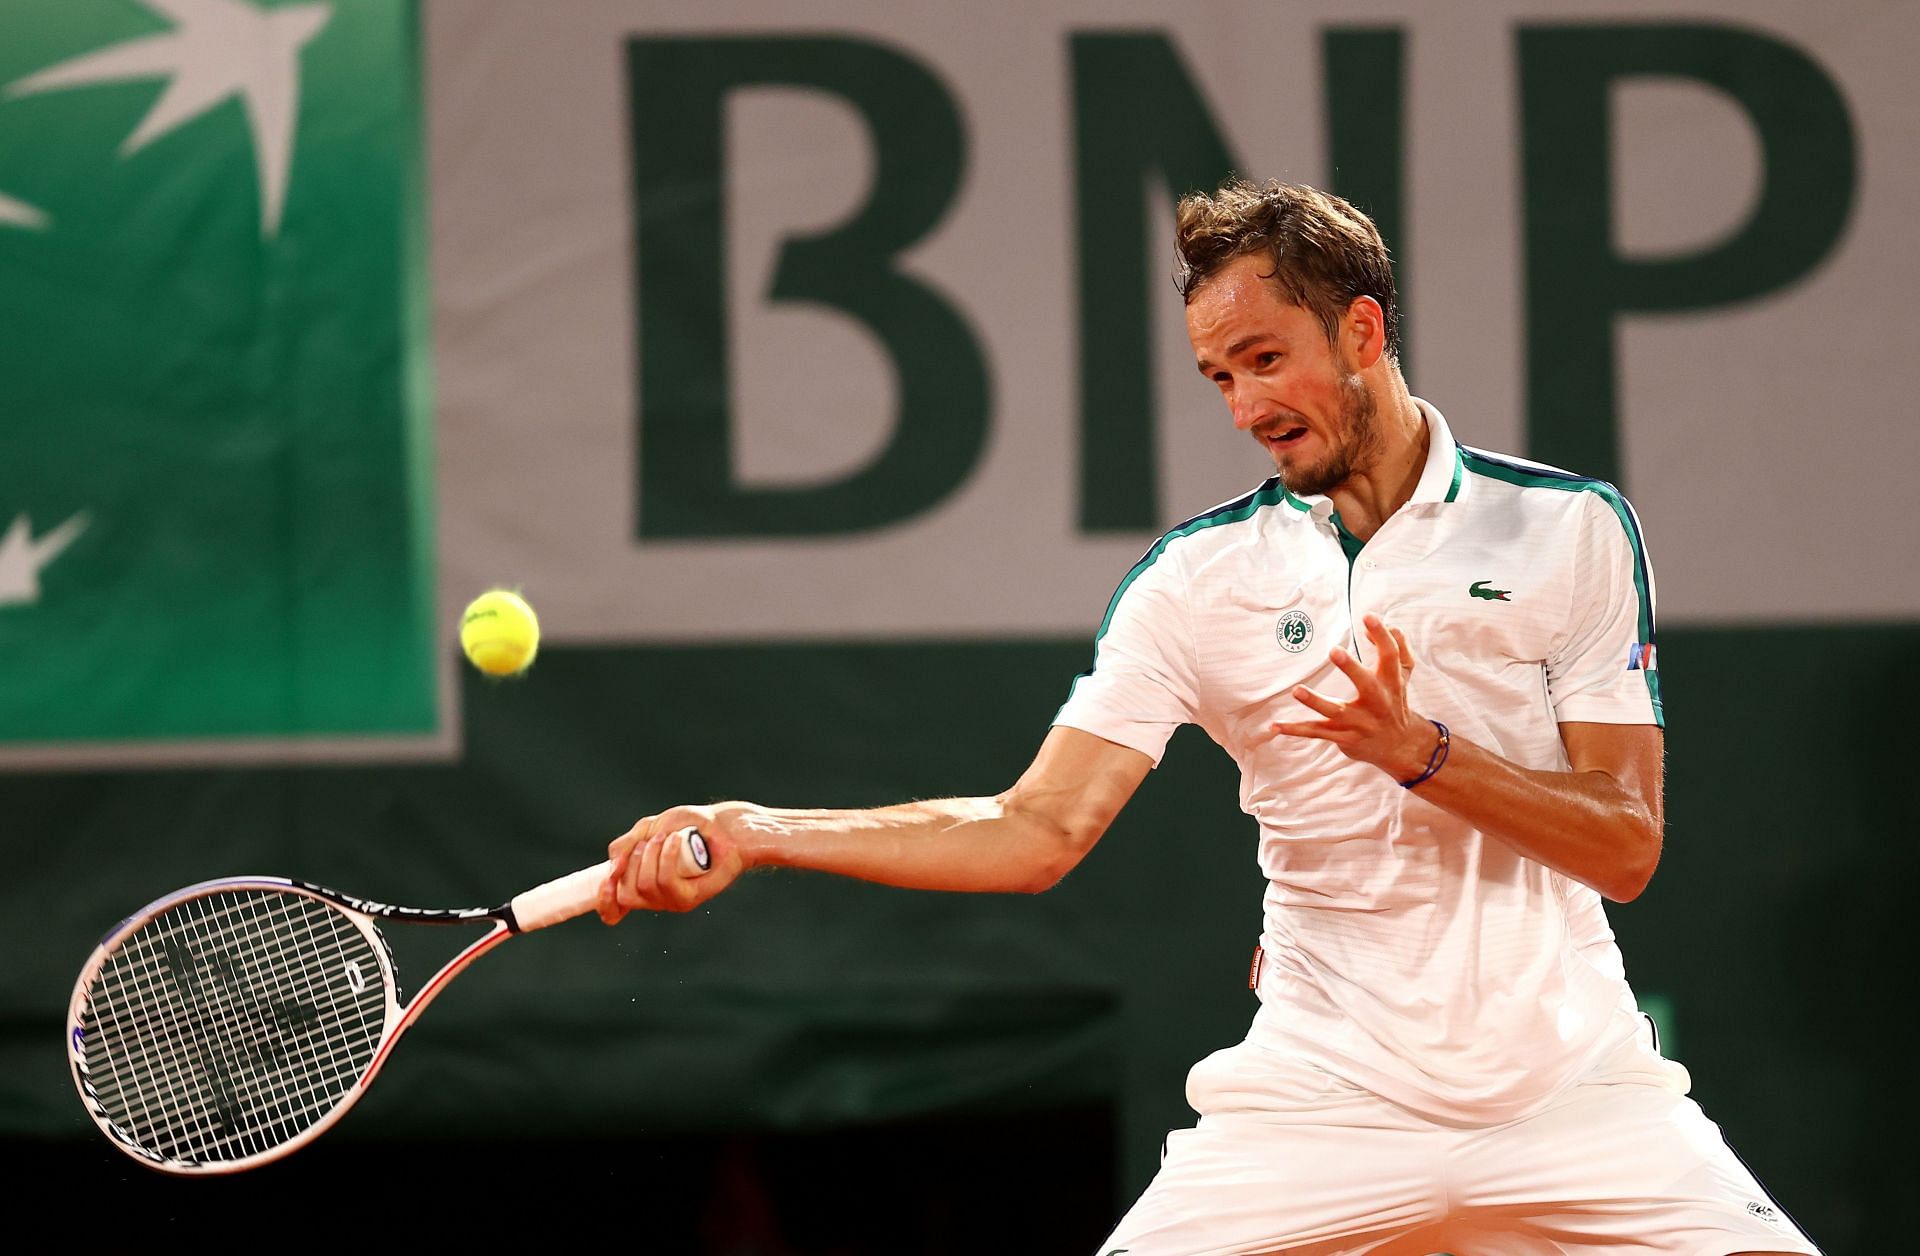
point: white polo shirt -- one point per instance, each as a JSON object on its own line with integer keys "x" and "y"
{"x": 1405, "y": 951}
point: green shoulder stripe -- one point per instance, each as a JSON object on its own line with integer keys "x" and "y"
{"x": 1528, "y": 475}
{"x": 1271, "y": 493}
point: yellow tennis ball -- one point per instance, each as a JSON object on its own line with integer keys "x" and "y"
{"x": 500, "y": 633}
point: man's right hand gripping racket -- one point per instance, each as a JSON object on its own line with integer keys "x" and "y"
{"x": 232, "y": 1022}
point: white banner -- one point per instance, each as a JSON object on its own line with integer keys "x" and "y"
{"x": 1765, "y": 436}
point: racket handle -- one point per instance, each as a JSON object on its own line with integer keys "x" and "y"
{"x": 578, "y": 893}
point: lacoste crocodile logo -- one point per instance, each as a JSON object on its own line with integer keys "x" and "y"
{"x": 1479, "y": 589}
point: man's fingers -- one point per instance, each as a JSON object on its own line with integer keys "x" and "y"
{"x": 1391, "y": 645}
{"x": 669, "y": 872}
{"x": 619, "y": 846}
{"x": 1365, "y": 682}
{"x": 1385, "y": 640}
{"x": 608, "y": 905}
{"x": 1346, "y": 663}
{"x": 1393, "y": 662}
{"x": 1318, "y": 703}
{"x": 638, "y": 885}
{"x": 620, "y": 851}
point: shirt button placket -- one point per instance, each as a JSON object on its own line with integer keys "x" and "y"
{"x": 1364, "y": 565}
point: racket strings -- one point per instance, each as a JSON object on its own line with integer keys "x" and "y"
{"x": 231, "y": 1023}
{"x": 224, "y": 1086}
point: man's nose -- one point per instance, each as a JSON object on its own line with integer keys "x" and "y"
{"x": 1248, "y": 409}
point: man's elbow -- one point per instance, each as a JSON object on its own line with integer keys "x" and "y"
{"x": 1634, "y": 871}
{"x": 1059, "y": 847}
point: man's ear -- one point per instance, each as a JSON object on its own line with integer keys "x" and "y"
{"x": 1365, "y": 331}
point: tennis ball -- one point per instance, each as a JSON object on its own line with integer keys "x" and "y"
{"x": 500, "y": 633}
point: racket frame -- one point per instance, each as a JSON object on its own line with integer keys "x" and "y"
{"x": 365, "y": 914}
{"x": 560, "y": 899}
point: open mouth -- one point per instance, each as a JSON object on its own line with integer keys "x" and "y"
{"x": 1288, "y": 436}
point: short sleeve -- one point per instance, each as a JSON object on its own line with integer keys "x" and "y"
{"x": 1141, "y": 686}
{"x": 1605, "y": 670}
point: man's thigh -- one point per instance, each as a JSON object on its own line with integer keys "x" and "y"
{"x": 1241, "y": 1185}
{"x": 1617, "y": 1164}
{"x": 1287, "y": 1158}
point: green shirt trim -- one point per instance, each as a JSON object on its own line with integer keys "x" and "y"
{"x": 1565, "y": 481}
{"x": 1272, "y": 493}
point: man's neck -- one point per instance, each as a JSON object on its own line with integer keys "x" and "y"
{"x": 1373, "y": 492}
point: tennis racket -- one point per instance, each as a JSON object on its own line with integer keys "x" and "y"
{"x": 232, "y": 1022}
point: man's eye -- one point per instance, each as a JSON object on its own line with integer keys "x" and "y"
{"x": 1268, "y": 358}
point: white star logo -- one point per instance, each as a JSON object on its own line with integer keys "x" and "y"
{"x": 22, "y": 557}
{"x": 20, "y": 214}
{"x": 216, "y": 49}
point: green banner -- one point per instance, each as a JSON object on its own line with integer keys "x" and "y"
{"x": 215, "y": 475}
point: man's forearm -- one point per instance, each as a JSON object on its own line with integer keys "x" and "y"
{"x": 1022, "y": 840}
{"x": 966, "y": 844}
{"x": 1587, "y": 825}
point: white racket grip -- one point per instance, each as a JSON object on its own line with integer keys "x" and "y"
{"x": 578, "y": 893}
{"x": 560, "y": 899}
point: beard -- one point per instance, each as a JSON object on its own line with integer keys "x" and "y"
{"x": 1351, "y": 448}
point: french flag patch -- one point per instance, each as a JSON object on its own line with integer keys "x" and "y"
{"x": 1640, "y": 657}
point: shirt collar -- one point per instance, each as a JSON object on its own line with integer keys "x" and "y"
{"x": 1444, "y": 478}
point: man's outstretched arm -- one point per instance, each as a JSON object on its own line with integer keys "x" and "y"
{"x": 1022, "y": 840}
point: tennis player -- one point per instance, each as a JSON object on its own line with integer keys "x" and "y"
{"x": 1435, "y": 668}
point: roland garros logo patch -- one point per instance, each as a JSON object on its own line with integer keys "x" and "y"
{"x": 1294, "y": 631}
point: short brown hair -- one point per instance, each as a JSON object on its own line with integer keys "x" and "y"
{"x": 1324, "y": 252}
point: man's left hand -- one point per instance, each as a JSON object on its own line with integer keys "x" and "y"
{"x": 1375, "y": 726}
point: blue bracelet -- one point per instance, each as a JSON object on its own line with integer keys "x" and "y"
{"x": 1436, "y": 759}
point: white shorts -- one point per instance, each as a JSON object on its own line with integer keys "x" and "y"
{"x": 1289, "y": 1159}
